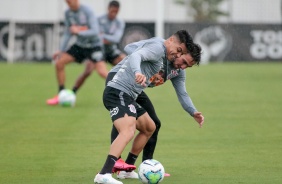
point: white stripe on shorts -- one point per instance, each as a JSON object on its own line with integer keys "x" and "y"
{"x": 121, "y": 98}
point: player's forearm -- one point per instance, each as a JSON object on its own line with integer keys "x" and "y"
{"x": 188, "y": 105}
{"x": 184, "y": 98}
{"x": 88, "y": 33}
{"x": 115, "y": 38}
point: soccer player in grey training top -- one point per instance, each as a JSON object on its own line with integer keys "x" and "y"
{"x": 81, "y": 22}
{"x": 170, "y": 71}
{"x": 121, "y": 92}
{"x": 111, "y": 31}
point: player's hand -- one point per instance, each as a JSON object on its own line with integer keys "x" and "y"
{"x": 57, "y": 55}
{"x": 106, "y": 42}
{"x": 140, "y": 79}
{"x": 199, "y": 118}
{"x": 75, "y": 29}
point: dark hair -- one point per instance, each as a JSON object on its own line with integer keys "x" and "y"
{"x": 114, "y": 4}
{"x": 196, "y": 52}
{"x": 184, "y": 37}
{"x": 194, "y": 49}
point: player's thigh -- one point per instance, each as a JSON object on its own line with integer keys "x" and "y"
{"x": 89, "y": 66}
{"x": 144, "y": 101}
{"x": 119, "y": 103}
{"x": 101, "y": 68}
{"x": 95, "y": 54}
{"x": 78, "y": 53}
{"x": 64, "y": 59}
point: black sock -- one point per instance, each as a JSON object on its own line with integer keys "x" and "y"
{"x": 61, "y": 87}
{"x": 74, "y": 89}
{"x": 131, "y": 158}
{"x": 109, "y": 164}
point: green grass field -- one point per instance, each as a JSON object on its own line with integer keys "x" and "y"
{"x": 240, "y": 142}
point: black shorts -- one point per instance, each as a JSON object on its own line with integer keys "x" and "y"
{"x": 111, "y": 52}
{"x": 119, "y": 103}
{"x": 94, "y": 54}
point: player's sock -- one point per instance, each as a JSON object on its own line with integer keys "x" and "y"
{"x": 74, "y": 89}
{"x": 61, "y": 87}
{"x": 131, "y": 158}
{"x": 109, "y": 164}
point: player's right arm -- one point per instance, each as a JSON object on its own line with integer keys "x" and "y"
{"x": 149, "y": 52}
{"x": 93, "y": 26}
{"x": 184, "y": 99}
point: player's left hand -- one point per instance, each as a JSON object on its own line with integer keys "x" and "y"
{"x": 74, "y": 29}
{"x": 199, "y": 118}
{"x": 106, "y": 42}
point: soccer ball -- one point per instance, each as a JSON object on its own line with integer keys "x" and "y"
{"x": 151, "y": 171}
{"x": 67, "y": 98}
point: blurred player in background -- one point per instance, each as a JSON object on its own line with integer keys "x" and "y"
{"x": 175, "y": 72}
{"x": 111, "y": 31}
{"x": 79, "y": 21}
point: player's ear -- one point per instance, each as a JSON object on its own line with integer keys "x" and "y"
{"x": 171, "y": 39}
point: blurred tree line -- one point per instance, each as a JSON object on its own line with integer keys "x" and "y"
{"x": 203, "y": 10}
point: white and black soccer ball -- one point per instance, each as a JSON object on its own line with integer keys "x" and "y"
{"x": 67, "y": 98}
{"x": 151, "y": 171}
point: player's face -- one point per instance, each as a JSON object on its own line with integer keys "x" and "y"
{"x": 175, "y": 49}
{"x": 112, "y": 12}
{"x": 183, "y": 62}
{"x": 73, "y": 4}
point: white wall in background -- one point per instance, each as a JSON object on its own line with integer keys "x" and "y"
{"x": 241, "y": 11}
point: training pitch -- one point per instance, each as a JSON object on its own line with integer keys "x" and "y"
{"x": 240, "y": 142}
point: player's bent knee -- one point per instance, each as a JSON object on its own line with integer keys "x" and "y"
{"x": 59, "y": 65}
{"x": 152, "y": 129}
